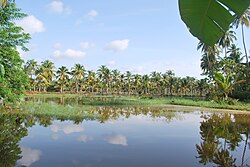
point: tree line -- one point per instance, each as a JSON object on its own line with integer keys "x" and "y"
{"x": 46, "y": 77}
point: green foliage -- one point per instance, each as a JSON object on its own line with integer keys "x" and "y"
{"x": 225, "y": 101}
{"x": 208, "y": 20}
{"x": 241, "y": 95}
{"x": 12, "y": 35}
{"x": 223, "y": 83}
{"x": 2, "y": 72}
{"x": 137, "y": 101}
{"x": 15, "y": 81}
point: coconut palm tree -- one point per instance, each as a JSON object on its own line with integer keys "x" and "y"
{"x": 116, "y": 85}
{"x": 30, "y": 69}
{"x": 226, "y": 40}
{"x": 209, "y": 58}
{"x": 122, "y": 82}
{"x": 201, "y": 85}
{"x": 78, "y": 73}
{"x": 171, "y": 76}
{"x": 45, "y": 74}
{"x": 178, "y": 86}
{"x": 155, "y": 79}
{"x": 208, "y": 64}
{"x": 101, "y": 73}
{"x": 63, "y": 77}
{"x": 165, "y": 83}
{"x": 146, "y": 84}
{"x": 137, "y": 83}
{"x": 235, "y": 54}
{"x": 243, "y": 20}
{"x": 91, "y": 80}
{"x": 191, "y": 85}
{"x": 128, "y": 80}
{"x": 184, "y": 82}
{"x": 107, "y": 79}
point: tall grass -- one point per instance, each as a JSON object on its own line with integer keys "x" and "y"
{"x": 110, "y": 100}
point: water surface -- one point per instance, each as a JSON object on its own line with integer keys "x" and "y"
{"x": 126, "y": 137}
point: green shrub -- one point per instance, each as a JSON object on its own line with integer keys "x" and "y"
{"x": 241, "y": 95}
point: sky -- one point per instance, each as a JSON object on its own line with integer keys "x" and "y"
{"x": 140, "y": 36}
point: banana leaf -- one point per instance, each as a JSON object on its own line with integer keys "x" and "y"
{"x": 208, "y": 20}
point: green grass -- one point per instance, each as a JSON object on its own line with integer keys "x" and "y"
{"x": 102, "y": 108}
{"x": 55, "y": 110}
{"x": 110, "y": 100}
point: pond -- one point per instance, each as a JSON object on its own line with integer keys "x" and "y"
{"x": 134, "y": 136}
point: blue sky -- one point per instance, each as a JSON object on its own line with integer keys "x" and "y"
{"x": 140, "y": 36}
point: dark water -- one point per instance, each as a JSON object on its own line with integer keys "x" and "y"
{"x": 126, "y": 137}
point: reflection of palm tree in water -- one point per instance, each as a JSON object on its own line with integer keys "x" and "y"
{"x": 221, "y": 135}
{"x": 244, "y": 121}
{"x": 245, "y": 148}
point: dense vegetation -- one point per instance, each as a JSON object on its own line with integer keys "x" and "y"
{"x": 13, "y": 80}
{"x": 46, "y": 77}
{"x": 225, "y": 64}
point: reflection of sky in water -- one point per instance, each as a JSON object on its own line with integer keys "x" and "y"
{"x": 67, "y": 128}
{"x": 29, "y": 156}
{"x": 85, "y": 138}
{"x": 116, "y": 139}
{"x": 134, "y": 142}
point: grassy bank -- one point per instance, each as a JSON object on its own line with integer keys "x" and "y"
{"x": 51, "y": 110}
{"x": 94, "y": 100}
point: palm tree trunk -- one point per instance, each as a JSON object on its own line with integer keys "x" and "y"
{"x": 244, "y": 151}
{"x": 225, "y": 52}
{"x": 244, "y": 44}
{"x": 81, "y": 88}
{"x": 34, "y": 87}
{"x": 226, "y": 95}
{"x": 77, "y": 86}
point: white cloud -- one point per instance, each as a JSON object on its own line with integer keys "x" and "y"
{"x": 112, "y": 62}
{"x": 85, "y": 138}
{"x": 117, "y": 45}
{"x": 29, "y": 156}
{"x": 87, "y": 45}
{"x": 116, "y": 139}
{"x": 69, "y": 53}
{"x": 67, "y": 128}
{"x": 31, "y": 24}
{"x": 58, "y": 7}
{"x": 57, "y": 45}
{"x": 92, "y": 14}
